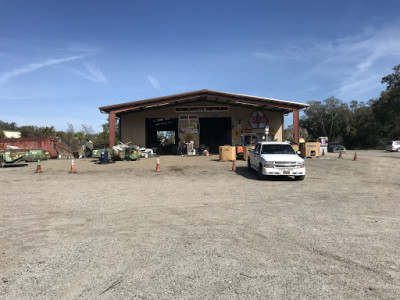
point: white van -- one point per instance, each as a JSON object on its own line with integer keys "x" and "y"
{"x": 393, "y": 146}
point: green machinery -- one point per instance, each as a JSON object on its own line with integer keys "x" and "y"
{"x": 10, "y": 156}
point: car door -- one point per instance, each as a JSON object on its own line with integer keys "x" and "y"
{"x": 256, "y": 159}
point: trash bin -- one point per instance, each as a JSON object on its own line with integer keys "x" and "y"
{"x": 104, "y": 157}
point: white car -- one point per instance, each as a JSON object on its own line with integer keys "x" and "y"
{"x": 276, "y": 159}
{"x": 393, "y": 146}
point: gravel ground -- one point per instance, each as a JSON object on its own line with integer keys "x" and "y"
{"x": 197, "y": 230}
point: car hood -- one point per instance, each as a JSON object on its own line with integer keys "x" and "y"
{"x": 282, "y": 157}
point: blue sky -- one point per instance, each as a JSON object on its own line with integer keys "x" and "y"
{"x": 61, "y": 60}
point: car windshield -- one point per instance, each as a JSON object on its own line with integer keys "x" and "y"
{"x": 277, "y": 149}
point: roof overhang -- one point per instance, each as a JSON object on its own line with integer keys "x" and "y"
{"x": 281, "y": 106}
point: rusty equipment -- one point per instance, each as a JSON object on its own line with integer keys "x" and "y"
{"x": 75, "y": 154}
{"x": 48, "y": 144}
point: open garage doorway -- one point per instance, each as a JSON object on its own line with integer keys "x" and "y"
{"x": 215, "y": 132}
{"x": 162, "y": 134}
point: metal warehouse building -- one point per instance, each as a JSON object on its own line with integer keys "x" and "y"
{"x": 209, "y": 118}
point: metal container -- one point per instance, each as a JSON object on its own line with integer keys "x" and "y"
{"x": 35, "y": 155}
{"x": 97, "y": 153}
{"x": 13, "y": 155}
{"x": 48, "y": 143}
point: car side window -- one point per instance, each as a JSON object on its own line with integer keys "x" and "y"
{"x": 257, "y": 148}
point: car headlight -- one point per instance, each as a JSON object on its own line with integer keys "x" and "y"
{"x": 300, "y": 164}
{"x": 269, "y": 164}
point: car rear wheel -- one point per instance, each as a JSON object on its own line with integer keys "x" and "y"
{"x": 299, "y": 177}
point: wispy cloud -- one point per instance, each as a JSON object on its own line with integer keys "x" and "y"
{"x": 154, "y": 82}
{"x": 360, "y": 62}
{"x": 352, "y": 65}
{"x": 285, "y": 53}
{"x": 93, "y": 73}
{"x": 96, "y": 74}
{"x": 4, "y": 77}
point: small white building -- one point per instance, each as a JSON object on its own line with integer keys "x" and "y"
{"x": 12, "y": 134}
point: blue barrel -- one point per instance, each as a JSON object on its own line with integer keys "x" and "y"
{"x": 104, "y": 157}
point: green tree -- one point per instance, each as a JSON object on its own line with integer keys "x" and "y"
{"x": 104, "y": 136}
{"x": 8, "y": 126}
{"x": 289, "y": 133}
{"x": 330, "y": 118}
{"x": 79, "y": 135}
{"x": 387, "y": 108}
{"x": 47, "y": 131}
{"x": 29, "y": 131}
{"x": 364, "y": 128}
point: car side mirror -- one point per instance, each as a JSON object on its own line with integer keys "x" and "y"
{"x": 298, "y": 152}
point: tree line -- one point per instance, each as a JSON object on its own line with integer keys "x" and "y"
{"x": 357, "y": 124}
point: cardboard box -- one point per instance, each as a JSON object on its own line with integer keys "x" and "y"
{"x": 227, "y": 153}
{"x": 310, "y": 149}
{"x": 246, "y": 151}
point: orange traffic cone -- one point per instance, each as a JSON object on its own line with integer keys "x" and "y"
{"x": 340, "y": 154}
{"x": 158, "y": 165}
{"x": 38, "y": 168}
{"x": 73, "y": 167}
{"x": 234, "y": 166}
{"x": 355, "y": 157}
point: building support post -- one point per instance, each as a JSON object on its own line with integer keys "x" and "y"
{"x": 296, "y": 126}
{"x": 112, "y": 129}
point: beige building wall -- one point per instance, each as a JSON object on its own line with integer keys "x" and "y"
{"x": 133, "y": 125}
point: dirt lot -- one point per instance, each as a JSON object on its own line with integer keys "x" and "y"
{"x": 197, "y": 230}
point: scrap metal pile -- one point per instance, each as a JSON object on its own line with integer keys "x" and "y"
{"x": 121, "y": 152}
{"x": 14, "y": 154}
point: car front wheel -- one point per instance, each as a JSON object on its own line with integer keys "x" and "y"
{"x": 299, "y": 177}
{"x": 260, "y": 174}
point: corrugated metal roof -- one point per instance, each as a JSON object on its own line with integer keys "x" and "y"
{"x": 205, "y": 95}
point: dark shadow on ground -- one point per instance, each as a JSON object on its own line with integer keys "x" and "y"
{"x": 251, "y": 174}
{"x": 246, "y": 173}
{"x": 14, "y": 165}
